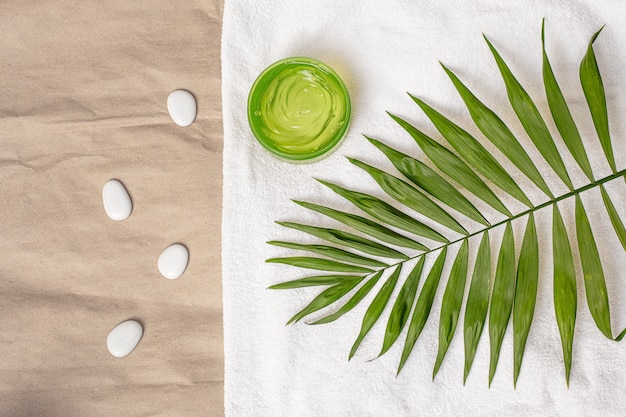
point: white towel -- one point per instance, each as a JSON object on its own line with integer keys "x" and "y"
{"x": 383, "y": 50}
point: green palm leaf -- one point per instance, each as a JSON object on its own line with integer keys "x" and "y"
{"x": 410, "y": 196}
{"x": 386, "y": 213}
{"x": 525, "y": 294}
{"x": 320, "y": 264}
{"x": 428, "y": 193}
{"x": 402, "y": 307}
{"x": 325, "y": 298}
{"x": 618, "y": 225}
{"x": 453, "y": 166}
{"x": 348, "y": 239}
{"x": 352, "y": 302}
{"x": 316, "y": 281}
{"x": 531, "y": 119}
{"x": 431, "y": 182}
{"x": 498, "y": 133}
{"x": 501, "y": 298}
{"x": 422, "y": 307}
{"x": 477, "y": 303}
{"x": 593, "y": 88}
{"x": 364, "y": 225}
{"x": 473, "y": 152}
{"x": 595, "y": 284}
{"x": 451, "y": 304}
{"x": 331, "y": 252}
{"x": 376, "y": 308}
{"x": 562, "y": 115}
{"x": 565, "y": 300}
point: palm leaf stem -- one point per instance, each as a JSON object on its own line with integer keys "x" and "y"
{"x": 551, "y": 202}
{"x": 538, "y": 207}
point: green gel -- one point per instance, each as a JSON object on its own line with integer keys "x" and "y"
{"x": 298, "y": 109}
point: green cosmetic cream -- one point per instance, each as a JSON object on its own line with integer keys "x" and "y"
{"x": 299, "y": 109}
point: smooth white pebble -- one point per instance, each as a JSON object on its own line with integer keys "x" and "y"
{"x": 124, "y": 338}
{"x": 181, "y": 105}
{"x": 173, "y": 261}
{"x": 117, "y": 203}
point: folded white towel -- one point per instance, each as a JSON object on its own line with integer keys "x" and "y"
{"x": 382, "y": 50}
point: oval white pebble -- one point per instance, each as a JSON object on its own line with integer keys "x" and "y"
{"x": 173, "y": 261}
{"x": 116, "y": 200}
{"x": 124, "y": 338}
{"x": 182, "y": 107}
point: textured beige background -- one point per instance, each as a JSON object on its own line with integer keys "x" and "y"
{"x": 83, "y": 88}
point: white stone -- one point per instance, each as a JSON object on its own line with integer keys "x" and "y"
{"x": 116, "y": 200}
{"x": 182, "y": 107}
{"x": 124, "y": 338}
{"x": 173, "y": 261}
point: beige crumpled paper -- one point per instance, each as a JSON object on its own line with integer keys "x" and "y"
{"x": 83, "y": 90}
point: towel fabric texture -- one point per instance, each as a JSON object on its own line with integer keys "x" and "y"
{"x": 383, "y": 50}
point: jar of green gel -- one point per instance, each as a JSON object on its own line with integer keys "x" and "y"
{"x": 299, "y": 109}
